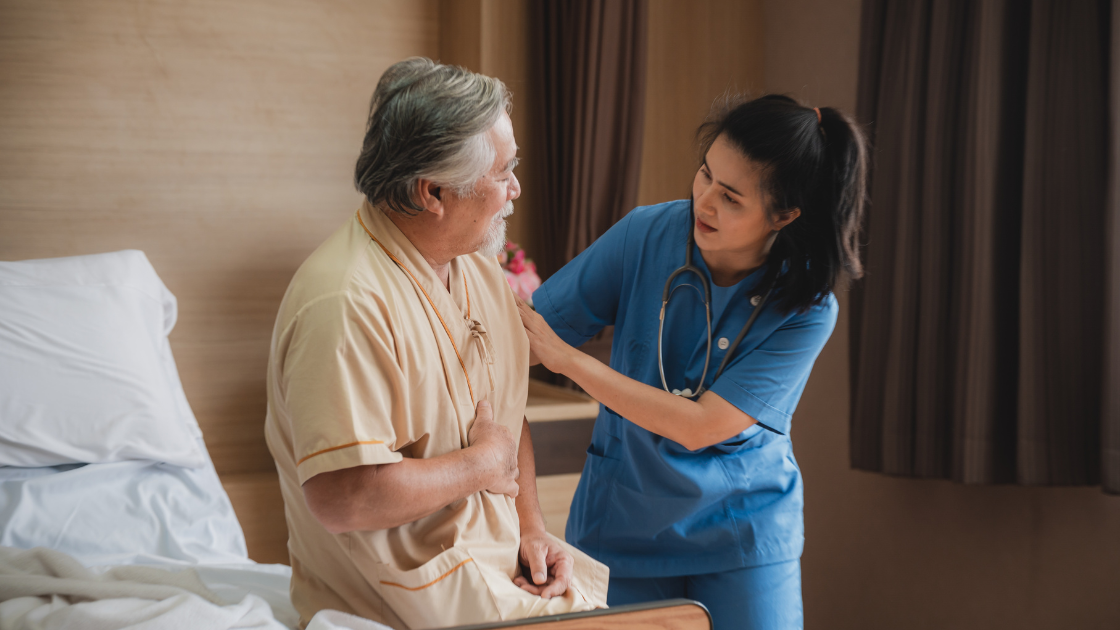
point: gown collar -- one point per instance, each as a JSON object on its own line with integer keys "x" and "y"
{"x": 451, "y": 300}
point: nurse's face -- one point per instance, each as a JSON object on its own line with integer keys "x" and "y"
{"x": 479, "y": 218}
{"x": 733, "y": 227}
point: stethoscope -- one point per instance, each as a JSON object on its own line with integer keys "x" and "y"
{"x": 688, "y": 267}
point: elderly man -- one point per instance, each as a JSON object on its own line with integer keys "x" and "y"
{"x": 397, "y": 382}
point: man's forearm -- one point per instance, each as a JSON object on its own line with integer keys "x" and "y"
{"x": 390, "y": 495}
{"x": 528, "y": 506}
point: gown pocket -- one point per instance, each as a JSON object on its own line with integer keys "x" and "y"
{"x": 448, "y": 590}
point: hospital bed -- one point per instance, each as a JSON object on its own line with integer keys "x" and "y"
{"x": 111, "y": 510}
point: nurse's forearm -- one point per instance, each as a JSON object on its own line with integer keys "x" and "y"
{"x": 528, "y": 505}
{"x": 693, "y": 424}
{"x": 390, "y": 495}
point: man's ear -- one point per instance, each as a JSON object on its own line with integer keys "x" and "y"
{"x": 429, "y": 194}
{"x": 785, "y": 217}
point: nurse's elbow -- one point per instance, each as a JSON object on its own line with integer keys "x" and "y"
{"x": 696, "y": 440}
{"x": 696, "y": 432}
{"x": 703, "y": 433}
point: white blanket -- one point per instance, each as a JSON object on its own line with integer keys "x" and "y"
{"x": 43, "y": 589}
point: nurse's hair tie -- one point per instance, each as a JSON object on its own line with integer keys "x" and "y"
{"x": 818, "y": 110}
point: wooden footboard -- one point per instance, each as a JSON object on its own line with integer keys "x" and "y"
{"x": 670, "y": 614}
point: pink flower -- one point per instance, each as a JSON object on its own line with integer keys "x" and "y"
{"x": 530, "y": 282}
{"x": 523, "y": 284}
{"x": 521, "y": 272}
{"x": 517, "y": 263}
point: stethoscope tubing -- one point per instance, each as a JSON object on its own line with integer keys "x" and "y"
{"x": 667, "y": 293}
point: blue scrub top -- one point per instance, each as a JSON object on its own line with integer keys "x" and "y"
{"x": 646, "y": 506}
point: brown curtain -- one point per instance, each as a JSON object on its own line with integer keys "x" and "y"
{"x": 977, "y": 333}
{"x": 1110, "y": 431}
{"x": 591, "y": 60}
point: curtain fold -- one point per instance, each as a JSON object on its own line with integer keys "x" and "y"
{"x": 976, "y": 333}
{"x": 591, "y": 60}
{"x": 1110, "y": 431}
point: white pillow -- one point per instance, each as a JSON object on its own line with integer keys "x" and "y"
{"x": 86, "y": 373}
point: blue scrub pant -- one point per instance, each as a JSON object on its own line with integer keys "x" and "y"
{"x": 754, "y": 598}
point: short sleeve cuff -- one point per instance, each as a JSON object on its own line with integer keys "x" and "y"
{"x": 542, "y": 303}
{"x": 768, "y": 417}
{"x": 345, "y": 456}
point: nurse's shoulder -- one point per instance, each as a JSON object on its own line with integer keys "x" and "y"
{"x": 814, "y": 325}
{"x": 657, "y": 225}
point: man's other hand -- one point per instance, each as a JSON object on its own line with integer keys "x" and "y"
{"x": 550, "y": 566}
{"x": 501, "y": 458}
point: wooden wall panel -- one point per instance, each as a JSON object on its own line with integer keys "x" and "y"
{"x": 555, "y": 493}
{"x": 506, "y": 54}
{"x": 698, "y": 50}
{"x": 493, "y": 37}
{"x": 259, "y": 506}
{"x": 218, "y": 137}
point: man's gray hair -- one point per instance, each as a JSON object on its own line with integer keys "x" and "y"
{"x": 427, "y": 121}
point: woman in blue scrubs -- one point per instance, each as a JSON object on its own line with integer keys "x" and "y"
{"x": 700, "y": 496}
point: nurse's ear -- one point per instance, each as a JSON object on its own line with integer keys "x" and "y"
{"x": 430, "y": 197}
{"x": 782, "y": 218}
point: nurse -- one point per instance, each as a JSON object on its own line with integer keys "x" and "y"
{"x": 691, "y": 488}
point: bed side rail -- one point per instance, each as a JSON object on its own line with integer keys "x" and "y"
{"x": 669, "y": 614}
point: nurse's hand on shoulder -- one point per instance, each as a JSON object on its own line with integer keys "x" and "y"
{"x": 499, "y": 450}
{"x": 550, "y": 566}
{"x": 544, "y": 346}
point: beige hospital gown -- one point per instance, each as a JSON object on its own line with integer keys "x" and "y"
{"x": 373, "y": 360}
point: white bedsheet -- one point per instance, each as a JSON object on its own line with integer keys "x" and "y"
{"x": 135, "y": 521}
{"x": 43, "y": 589}
{"x": 121, "y": 512}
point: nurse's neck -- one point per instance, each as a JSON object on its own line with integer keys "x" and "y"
{"x": 729, "y": 267}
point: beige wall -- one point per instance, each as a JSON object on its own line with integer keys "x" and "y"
{"x": 698, "y": 50}
{"x": 492, "y": 37}
{"x": 895, "y": 553}
{"x": 219, "y": 138}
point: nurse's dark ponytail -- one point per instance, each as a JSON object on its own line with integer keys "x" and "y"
{"x": 817, "y": 164}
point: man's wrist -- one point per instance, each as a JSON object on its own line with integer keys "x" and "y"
{"x": 534, "y": 529}
{"x": 530, "y": 519}
{"x": 483, "y": 455}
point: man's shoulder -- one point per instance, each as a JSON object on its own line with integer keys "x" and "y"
{"x": 487, "y": 285}
{"x": 343, "y": 272}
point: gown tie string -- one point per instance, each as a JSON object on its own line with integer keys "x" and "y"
{"x": 484, "y": 345}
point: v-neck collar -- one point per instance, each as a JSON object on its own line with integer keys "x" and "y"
{"x": 450, "y": 303}
{"x": 739, "y": 290}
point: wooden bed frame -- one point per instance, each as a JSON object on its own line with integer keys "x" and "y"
{"x": 670, "y": 614}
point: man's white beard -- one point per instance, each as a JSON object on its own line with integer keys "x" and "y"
{"x": 495, "y": 241}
